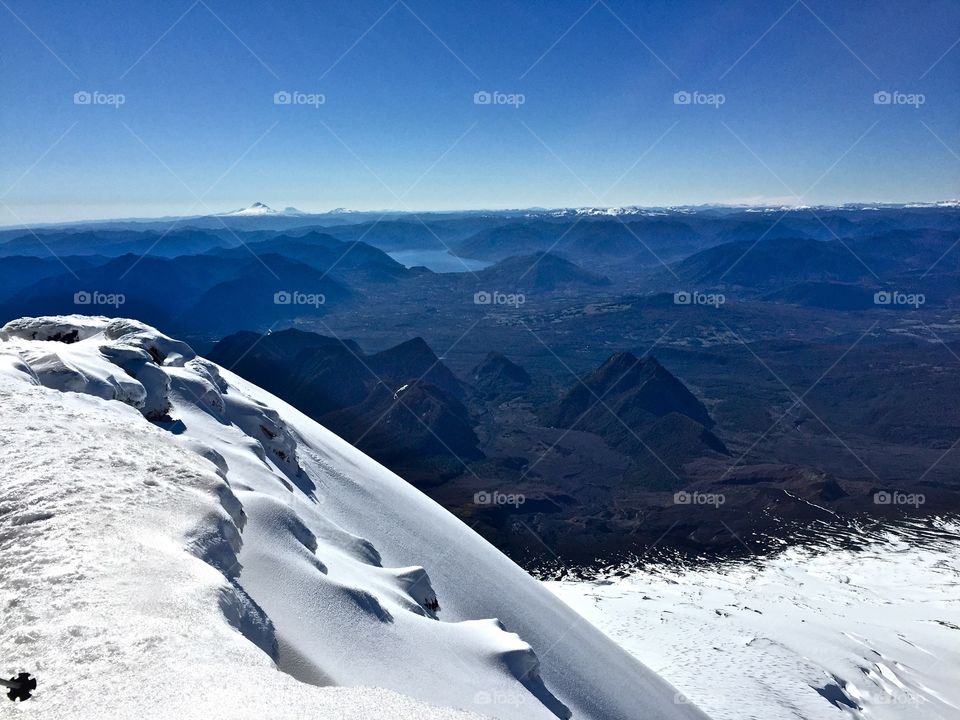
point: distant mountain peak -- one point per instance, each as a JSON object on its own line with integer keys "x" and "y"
{"x": 498, "y": 376}
{"x": 633, "y": 389}
{"x": 259, "y": 209}
{"x": 624, "y": 360}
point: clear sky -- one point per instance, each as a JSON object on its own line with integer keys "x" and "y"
{"x": 198, "y": 130}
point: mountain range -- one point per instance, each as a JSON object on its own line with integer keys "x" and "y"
{"x": 698, "y": 328}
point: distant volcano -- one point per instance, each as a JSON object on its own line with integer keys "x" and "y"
{"x": 259, "y": 209}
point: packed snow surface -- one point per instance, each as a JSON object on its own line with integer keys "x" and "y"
{"x": 175, "y": 542}
{"x": 826, "y": 633}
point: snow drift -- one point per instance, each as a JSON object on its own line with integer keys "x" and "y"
{"x": 176, "y": 542}
{"x": 864, "y": 624}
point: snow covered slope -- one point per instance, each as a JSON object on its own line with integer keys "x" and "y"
{"x": 172, "y": 536}
{"x": 812, "y": 634}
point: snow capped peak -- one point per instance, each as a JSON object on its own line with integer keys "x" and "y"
{"x": 217, "y": 533}
{"x": 940, "y": 204}
{"x": 259, "y": 209}
{"x": 613, "y": 212}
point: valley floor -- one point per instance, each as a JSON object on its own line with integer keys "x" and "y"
{"x": 822, "y": 634}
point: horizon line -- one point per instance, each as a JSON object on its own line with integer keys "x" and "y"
{"x": 343, "y": 211}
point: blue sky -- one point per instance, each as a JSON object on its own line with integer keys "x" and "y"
{"x": 198, "y": 130}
